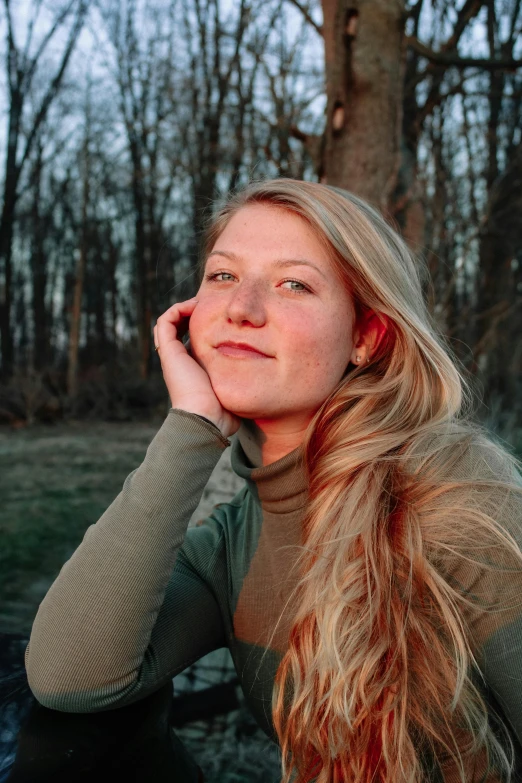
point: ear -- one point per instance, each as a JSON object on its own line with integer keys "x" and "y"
{"x": 379, "y": 325}
{"x": 369, "y": 335}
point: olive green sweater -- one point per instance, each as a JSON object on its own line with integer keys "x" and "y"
{"x": 143, "y": 596}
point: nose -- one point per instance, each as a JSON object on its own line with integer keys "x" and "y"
{"x": 247, "y": 303}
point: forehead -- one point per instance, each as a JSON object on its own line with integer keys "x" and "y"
{"x": 259, "y": 232}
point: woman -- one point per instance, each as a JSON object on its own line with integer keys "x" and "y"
{"x": 367, "y": 579}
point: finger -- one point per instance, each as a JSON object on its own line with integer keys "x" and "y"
{"x": 176, "y": 309}
{"x": 174, "y": 322}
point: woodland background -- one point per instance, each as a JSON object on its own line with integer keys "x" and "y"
{"x": 122, "y": 120}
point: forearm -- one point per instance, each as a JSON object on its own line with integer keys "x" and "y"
{"x": 93, "y": 626}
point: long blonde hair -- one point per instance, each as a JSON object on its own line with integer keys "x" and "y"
{"x": 380, "y": 681}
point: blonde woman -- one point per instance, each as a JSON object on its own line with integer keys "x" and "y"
{"x": 368, "y": 577}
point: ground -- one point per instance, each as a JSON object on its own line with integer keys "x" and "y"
{"x": 55, "y": 481}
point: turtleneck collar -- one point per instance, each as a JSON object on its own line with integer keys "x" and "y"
{"x": 280, "y": 487}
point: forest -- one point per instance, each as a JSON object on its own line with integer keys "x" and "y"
{"x": 124, "y": 120}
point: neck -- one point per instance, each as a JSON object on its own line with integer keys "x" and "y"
{"x": 262, "y": 447}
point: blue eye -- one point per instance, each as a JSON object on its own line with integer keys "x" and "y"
{"x": 216, "y": 274}
{"x": 306, "y": 290}
{"x": 290, "y": 280}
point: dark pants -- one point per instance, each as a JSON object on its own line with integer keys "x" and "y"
{"x": 133, "y": 743}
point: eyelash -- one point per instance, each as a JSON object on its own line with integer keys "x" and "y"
{"x": 307, "y": 290}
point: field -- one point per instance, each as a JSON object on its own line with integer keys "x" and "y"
{"x": 55, "y": 481}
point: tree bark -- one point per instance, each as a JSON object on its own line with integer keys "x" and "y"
{"x": 113, "y": 288}
{"x": 143, "y": 316}
{"x": 76, "y": 314}
{"x": 497, "y": 295}
{"x": 364, "y": 54}
{"x": 12, "y": 174}
{"x": 41, "y": 342}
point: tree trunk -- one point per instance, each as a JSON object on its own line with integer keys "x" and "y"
{"x": 39, "y": 272}
{"x": 497, "y": 296}
{"x": 12, "y": 174}
{"x": 74, "y": 334}
{"x": 99, "y": 300}
{"x": 6, "y": 242}
{"x": 364, "y": 53}
{"x": 142, "y": 260}
{"x": 113, "y": 287}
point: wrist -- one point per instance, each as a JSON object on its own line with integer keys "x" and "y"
{"x": 206, "y": 418}
{"x": 210, "y": 421}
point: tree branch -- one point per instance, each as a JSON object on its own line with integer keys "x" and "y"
{"x": 469, "y": 10}
{"x": 60, "y": 19}
{"x": 54, "y": 84}
{"x": 453, "y": 60}
{"x": 306, "y": 13}
{"x": 12, "y": 52}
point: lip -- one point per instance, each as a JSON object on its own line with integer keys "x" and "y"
{"x": 230, "y": 348}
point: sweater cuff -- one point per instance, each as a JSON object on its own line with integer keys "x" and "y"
{"x": 224, "y": 439}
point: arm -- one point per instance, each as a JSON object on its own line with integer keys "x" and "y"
{"x": 492, "y": 580}
{"x": 94, "y": 642}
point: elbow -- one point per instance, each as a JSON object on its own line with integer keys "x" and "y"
{"x": 49, "y": 688}
{"x": 77, "y": 701}
{"x": 62, "y": 702}
{"x": 61, "y": 698}
{"x": 56, "y": 691}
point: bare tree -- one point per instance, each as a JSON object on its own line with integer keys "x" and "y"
{"x": 214, "y": 53}
{"x": 403, "y": 148}
{"x": 373, "y": 69}
{"x": 144, "y": 75}
{"x": 76, "y": 313}
{"x": 22, "y": 65}
{"x": 209, "y": 94}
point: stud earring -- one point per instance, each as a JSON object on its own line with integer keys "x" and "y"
{"x": 357, "y": 358}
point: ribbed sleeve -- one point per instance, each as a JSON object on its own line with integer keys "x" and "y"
{"x": 89, "y": 648}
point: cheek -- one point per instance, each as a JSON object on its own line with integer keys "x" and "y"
{"x": 322, "y": 335}
{"x": 329, "y": 347}
{"x": 199, "y": 323}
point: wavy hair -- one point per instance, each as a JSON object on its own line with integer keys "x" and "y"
{"x": 381, "y": 680}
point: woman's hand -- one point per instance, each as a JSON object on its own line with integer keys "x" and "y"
{"x": 187, "y": 382}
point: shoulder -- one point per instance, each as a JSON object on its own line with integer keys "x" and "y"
{"x": 463, "y": 453}
{"x": 466, "y": 487}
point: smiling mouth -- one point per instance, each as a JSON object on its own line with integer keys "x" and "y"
{"x": 241, "y": 353}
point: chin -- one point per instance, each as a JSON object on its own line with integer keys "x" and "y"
{"x": 238, "y": 403}
{"x": 241, "y": 408}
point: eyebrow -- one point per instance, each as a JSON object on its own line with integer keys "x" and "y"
{"x": 279, "y": 262}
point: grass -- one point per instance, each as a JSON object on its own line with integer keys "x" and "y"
{"x": 55, "y": 481}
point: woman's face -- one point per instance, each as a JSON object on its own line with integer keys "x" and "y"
{"x": 305, "y": 327}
